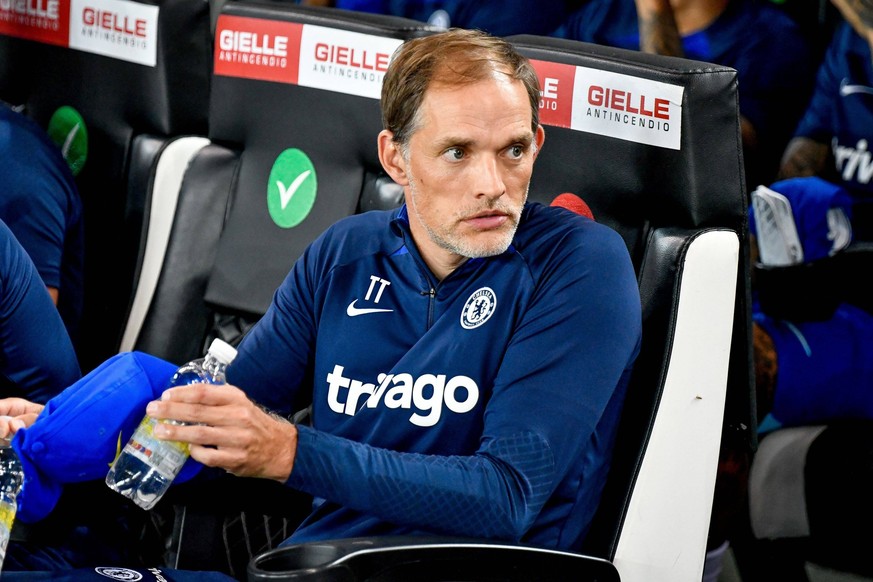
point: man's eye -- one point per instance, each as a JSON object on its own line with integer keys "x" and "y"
{"x": 516, "y": 151}
{"x": 454, "y": 154}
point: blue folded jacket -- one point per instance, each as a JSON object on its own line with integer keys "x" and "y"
{"x": 81, "y": 430}
{"x": 825, "y": 369}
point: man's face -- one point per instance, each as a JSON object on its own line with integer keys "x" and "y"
{"x": 468, "y": 169}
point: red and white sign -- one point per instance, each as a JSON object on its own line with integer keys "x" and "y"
{"x": 115, "y": 28}
{"x": 306, "y": 55}
{"x": 45, "y": 21}
{"x": 343, "y": 61}
{"x": 119, "y": 29}
{"x": 612, "y": 104}
{"x": 556, "y": 92}
{"x": 254, "y": 48}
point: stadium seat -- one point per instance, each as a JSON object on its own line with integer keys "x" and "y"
{"x": 660, "y": 162}
{"x": 138, "y": 73}
{"x": 656, "y": 185}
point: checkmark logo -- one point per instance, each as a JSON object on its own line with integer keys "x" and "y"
{"x": 285, "y": 194}
{"x": 67, "y": 129}
{"x": 353, "y": 311}
{"x": 290, "y": 205}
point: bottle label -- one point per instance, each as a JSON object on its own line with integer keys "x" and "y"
{"x": 166, "y": 457}
{"x": 7, "y": 517}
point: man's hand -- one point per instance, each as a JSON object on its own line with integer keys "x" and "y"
{"x": 803, "y": 157}
{"x": 15, "y": 414}
{"x": 227, "y": 430}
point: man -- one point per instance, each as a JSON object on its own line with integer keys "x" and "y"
{"x": 40, "y": 203}
{"x": 832, "y": 140}
{"x": 466, "y": 355}
{"x": 775, "y": 62}
{"x": 37, "y": 360}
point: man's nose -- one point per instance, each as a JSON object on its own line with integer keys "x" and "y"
{"x": 489, "y": 178}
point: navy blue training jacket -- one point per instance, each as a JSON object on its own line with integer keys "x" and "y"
{"x": 481, "y": 405}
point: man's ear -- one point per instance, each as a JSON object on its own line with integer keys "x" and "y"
{"x": 391, "y": 158}
{"x": 539, "y": 139}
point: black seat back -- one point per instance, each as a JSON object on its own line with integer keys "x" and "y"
{"x": 130, "y": 68}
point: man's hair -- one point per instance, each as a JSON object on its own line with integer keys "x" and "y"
{"x": 455, "y": 57}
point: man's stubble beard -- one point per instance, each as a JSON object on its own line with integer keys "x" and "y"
{"x": 457, "y": 244}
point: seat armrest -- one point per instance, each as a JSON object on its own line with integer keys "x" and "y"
{"x": 826, "y": 283}
{"x": 385, "y": 558}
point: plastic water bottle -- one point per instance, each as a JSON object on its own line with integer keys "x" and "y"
{"x": 146, "y": 467}
{"x": 11, "y": 480}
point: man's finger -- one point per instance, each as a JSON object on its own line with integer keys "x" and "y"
{"x": 210, "y": 394}
{"x": 190, "y": 413}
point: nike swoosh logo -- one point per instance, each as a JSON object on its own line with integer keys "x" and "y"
{"x": 847, "y": 89}
{"x": 353, "y": 311}
{"x": 285, "y": 194}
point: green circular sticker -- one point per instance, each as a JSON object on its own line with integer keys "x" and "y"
{"x": 291, "y": 190}
{"x": 67, "y": 129}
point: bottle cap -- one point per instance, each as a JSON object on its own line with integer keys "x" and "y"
{"x": 223, "y": 351}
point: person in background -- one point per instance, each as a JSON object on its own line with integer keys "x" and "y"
{"x": 37, "y": 356}
{"x": 815, "y": 368}
{"x": 497, "y": 17}
{"x": 826, "y": 180}
{"x": 832, "y": 140}
{"x": 459, "y": 383}
{"x": 40, "y": 203}
{"x": 774, "y": 59}
{"x": 37, "y": 359}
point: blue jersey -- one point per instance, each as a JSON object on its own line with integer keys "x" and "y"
{"x": 481, "y": 405}
{"x": 498, "y": 18}
{"x": 841, "y": 111}
{"x": 37, "y": 360}
{"x": 41, "y": 205}
{"x": 775, "y": 63}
